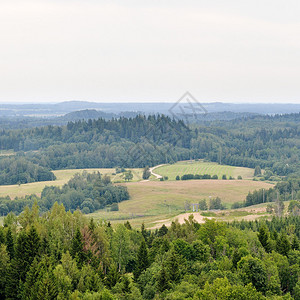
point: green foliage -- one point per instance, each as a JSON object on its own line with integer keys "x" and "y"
{"x": 63, "y": 255}
{"x": 146, "y": 173}
{"x": 88, "y": 192}
{"x": 19, "y": 171}
{"x": 257, "y": 171}
{"x": 253, "y": 271}
{"x": 142, "y": 262}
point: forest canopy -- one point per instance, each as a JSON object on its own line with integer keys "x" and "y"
{"x": 68, "y": 256}
{"x": 272, "y": 143}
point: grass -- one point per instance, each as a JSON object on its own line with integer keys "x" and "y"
{"x": 200, "y": 167}
{"x": 7, "y": 152}
{"x": 155, "y": 200}
{"x": 62, "y": 177}
{"x": 152, "y": 202}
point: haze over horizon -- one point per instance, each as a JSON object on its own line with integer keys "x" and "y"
{"x": 230, "y": 52}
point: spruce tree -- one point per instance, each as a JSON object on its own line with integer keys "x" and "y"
{"x": 142, "y": 262}
{"x": 283, "y": 245}
{"x": 10, "y": 243}
{"x": 172, "y": 266}
{"x": 162, "y": 280}
{"x": 264, "y": 238}
{"x": 77, "y": 248}
{"x": 32, "y": 245}
{"x": 163, "y": 230}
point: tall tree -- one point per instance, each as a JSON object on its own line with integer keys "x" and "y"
{"x": 142, "y": 262}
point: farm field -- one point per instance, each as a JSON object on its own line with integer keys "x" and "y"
{"x": 62, "y": 177}
{"x": 152, "y": 201}
{"x": 200, "y": 167}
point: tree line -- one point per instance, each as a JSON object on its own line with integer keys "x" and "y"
{"x": 87, "y": 191}
{"x": 64, "y": 255}
{"x": 147, "y": 141}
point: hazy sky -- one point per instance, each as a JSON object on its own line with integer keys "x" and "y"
{"x": 230, "y": 51}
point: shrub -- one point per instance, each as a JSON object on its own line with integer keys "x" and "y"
{"x": 114, "y": 207}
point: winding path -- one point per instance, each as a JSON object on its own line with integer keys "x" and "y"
{"x": 154, "y": 174}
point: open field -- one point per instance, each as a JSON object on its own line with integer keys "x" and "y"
{"x": 62, "y": 177}
{"x": 7, "y": 152}
{"x": 200, "y": 167}
{"x": 152, "y": 201}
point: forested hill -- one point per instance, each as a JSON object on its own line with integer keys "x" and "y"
{"x": 155, "y": 139}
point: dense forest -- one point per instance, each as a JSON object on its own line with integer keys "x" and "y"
{"x": 147, "y": 141}
{"x": 87, "y": 192}
{"x": 19, "y": 170}
{"x": 61, "y": 255}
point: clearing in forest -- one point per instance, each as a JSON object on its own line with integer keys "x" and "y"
{"x": 201, "y": 168}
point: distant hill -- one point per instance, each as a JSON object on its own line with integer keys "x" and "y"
{"x": 63, "y": 108}
{"x": 87, "y": 114}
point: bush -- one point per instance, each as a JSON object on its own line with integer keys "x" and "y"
{"x": 216, "y": 203}
{"x": 236, "y": 205}
{"x": 215, "y": 177}
{"x": 240, "y": 177}
{"x": 177, "y": 177}
{"x": 114, "y": 207}
{"x": 224, "y": 177}
{"x": 85, "y": 210}
{"x": 187, "y": 177}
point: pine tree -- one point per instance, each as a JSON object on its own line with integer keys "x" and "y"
{"x": 142, "y": 260}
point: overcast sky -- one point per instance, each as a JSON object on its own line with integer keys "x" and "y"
{"x": 229, "y": 51}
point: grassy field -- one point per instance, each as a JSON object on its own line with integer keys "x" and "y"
{"x": 62, "y": 177}
{"x": 154, "y": 200}
{"x": 7, "y": 152}
{"x": 200, "y": 167}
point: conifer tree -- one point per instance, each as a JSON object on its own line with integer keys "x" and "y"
{"x": 142, "y": 262}
{"x": 264, "y": 238}
{"x": 283, "y": 245}
{"x": 10, "y": 243}
{"x": 77, "y": 248}
{"x": 295, "y": 243}
{"x": 32, "y": 245}
{"x": 172, "y": 267}
{"x": 163, "y": 280}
